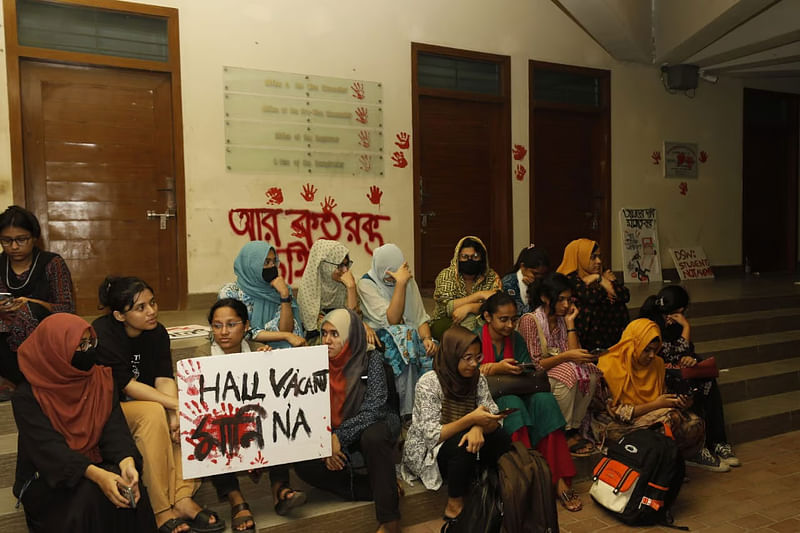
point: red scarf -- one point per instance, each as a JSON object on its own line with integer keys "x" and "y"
{"x": 488, "y": 347}
{"x": 338, "y": 383}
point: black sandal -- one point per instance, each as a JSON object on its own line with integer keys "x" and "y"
{"x": 449, "y": 522}
{"x": 201, "y": 523}
{"x": 173, "y": 523}
{"x": 241, "y": 520}
{"x": 285, "y": 503}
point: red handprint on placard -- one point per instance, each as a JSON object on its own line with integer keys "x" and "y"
{"x": 358, "y": 90}
{"x": 656, "y": 157}
{"x": 363, "y": 138}
{"x": 365, "y": 162}
{"x": 274, "y": 196}
{"x": 308, "y": 192}
{"x": 374, "y": 195}
{"x": 519, "y": 152}
{"x": 362, "y": 115}
{"x": 399, "y": 160}
{"x": 328, "y": 204}
{"x": 520, "y": 172}
{"x": 259, "y": 459}
{"x": 403, "y": 140}
{"x": 703, "y": 157}
{"x": 189, "y": 373}
{"x": 680, "y": 157}
{"x": 684, "y": 187}
{"x": 689, "y": 162}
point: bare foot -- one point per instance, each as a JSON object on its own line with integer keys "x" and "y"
{"x": 454, "y": 507}
{"x": 188, "y": 508}
{"x": 235, "y": 498}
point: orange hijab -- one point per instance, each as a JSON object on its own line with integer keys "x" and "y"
{"x": 577, "y": 256}
{"x": 78, "y": 403}
{"x": 628, "y": 381}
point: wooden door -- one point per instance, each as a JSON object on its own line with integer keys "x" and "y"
{"x": 769, "y": 175}
{"x": 570, "y": 165}
{"x": 98, "y": 154}
{"x": 457, "y": 158}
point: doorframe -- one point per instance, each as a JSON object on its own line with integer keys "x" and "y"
{"x": 16, "y": 53}
{"x": 502, "y": 184}
{"x": 605, "y": 166}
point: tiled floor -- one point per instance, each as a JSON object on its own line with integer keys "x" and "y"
{"x": 761, "y": 495}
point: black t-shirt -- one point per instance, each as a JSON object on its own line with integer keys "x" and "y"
{"x": 143, "y": 358}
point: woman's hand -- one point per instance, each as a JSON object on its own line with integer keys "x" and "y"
{"x": 401, "y": 275}
{"x": 372, "y": 337}
{"x": 345, "y": 278}
{"x": 687, "y": 361}
{"x": 337, "y": 459}
{"x": 507, "y": 366}
{"x": 668, "y": 401}
{"x": 473, "y": 439}
{"x": 485, "y": 295}
{"x": 677, "y": 318}
{"x": 684, "y": 401}
{"x": 572, "y": 314}
{"x": 131, "y": 476}
{"x": 460, "y": 313}
{"x": 294, "y": 340}
{"x": 174, "y": 426}
{"x": 109, "y": 483}
{"x": 591, "y": 278}
{"x": 606, "y": 281}
{"x": 481, "y": 416}
{"x": 578, "y": 355}
{"x": 431, "y": 347}
{"x": 265, "y": 348}
{"x": 279, "y": 284}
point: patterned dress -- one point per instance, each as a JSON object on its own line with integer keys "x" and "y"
{"x": 601, "y": 321}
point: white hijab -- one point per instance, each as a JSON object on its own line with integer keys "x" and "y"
{"x": 317, "y": 290}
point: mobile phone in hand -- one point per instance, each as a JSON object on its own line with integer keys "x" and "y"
{"x": 597, "y": 352}
{"x": 127, "y": 492}
{"x": 508, "y": 411}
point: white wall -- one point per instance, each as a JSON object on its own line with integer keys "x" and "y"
{"x": 371, "y": 40}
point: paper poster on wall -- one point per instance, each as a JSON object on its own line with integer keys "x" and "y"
{"x": 252, "y": 410}
{"x": 691, "y": 263}
{"x": 680, "y": 160}
{"x": 640, "y": 251}
{"x": 297, "y": 123}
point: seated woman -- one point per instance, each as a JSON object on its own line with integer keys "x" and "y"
{"x": 463, "y": 286}
{"x": 532, "y": 264}
{"x": 553, "y": 344}
{"x": 538, "y": 422}
{"x": 635, "y": 396}
{"x": 361, "y": 420}
{"x": 136, "y": 347}
{"x": 454, "y": 419}
{"x": 392, "y": 306}
{"x": 275, "y": 318}
{"x": 75, "y": 455}
{"x": 600, "y": 297}
{"x": 38, "y": 282}
{"x": 327, "y": 284}
{"x": 667, "y": 309}
{"x": 229, "y": 326}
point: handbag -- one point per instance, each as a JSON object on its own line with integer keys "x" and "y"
{"x": 529, "y": 383}
{"x": 705, "y": 369}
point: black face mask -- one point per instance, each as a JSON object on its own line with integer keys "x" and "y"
{"x": 470, "y": 268}
{"x": 269, "y": 274}
{"x": 84, "y": 360}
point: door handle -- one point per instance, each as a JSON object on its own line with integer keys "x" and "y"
{"x": 162, "y": 217}
{"x": 425, "y": 218}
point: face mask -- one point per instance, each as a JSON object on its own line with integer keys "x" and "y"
{"x": 269, "y": 274}
{"x": 470, "y": 268}
{"x": 84, "y": 360}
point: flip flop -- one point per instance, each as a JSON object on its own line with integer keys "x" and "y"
{"x": 570, "y": 501}
{"x": 201, "y": 523}
{"x": 170, "y": 525}
{"x": 241, "y": 520}
{"x": 286, "y": 504}
{"x": 582, "y": 444}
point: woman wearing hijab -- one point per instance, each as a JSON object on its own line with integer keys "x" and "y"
{"x": 532, "y": 264}
{"x": 636, "y": 396}
{"x": 392, "y": 306}
{"x": 454, "y": 419}
{"x": 76, "y": 458}
{"x": 273, "y": 314}
{"x": 600, "y": 297}
{"x": 463, "y": 286}
{"x": 364, "y": 428}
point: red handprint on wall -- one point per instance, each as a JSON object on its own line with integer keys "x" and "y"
{"x": 656, "y": 157}
{"x": 519, "y": 152}
{"x": 328, "y": 204}
{"x": 362, "y": 115}
{"x": 684, "y": 187}
{"x": 680, "y": 157}
{"x": 520, "y": 172}
{"x": 274, "y": 196}
{"x": 358, "y": 90}
{"x": 400, "y": 160}
{"x": 703, "y": 157}
{"x": 308, "y": 192}
{"x": 403, "y": 140}
{"x": 374, "y": 195}
{"x": 365, "y": 162}
{"x": 363, "y": 138}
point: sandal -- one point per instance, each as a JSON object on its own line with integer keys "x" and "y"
{"x": 285, "y": 503}
{"x": 449, "y": 522}
{"x": 582, "y": 448}
{"x": 201, "y": 523}
{"x": 172, "y": 524}
{"x": 237, "y": 521}
{"x": 570, "y": 501}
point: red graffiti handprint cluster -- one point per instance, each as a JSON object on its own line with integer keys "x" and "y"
{"x": 274, "y": 196}
{"x": 403, "y": 142}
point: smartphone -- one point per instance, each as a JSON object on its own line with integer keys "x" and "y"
{"x": 506, "y": 412}
{"x": 597, "y": 352}
{"x": 127, "y": 492}
{"x": 527, "y": 366}
{"x": 5, "y": 296}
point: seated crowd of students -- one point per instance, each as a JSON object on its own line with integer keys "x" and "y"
{"x": 97, "y": 408}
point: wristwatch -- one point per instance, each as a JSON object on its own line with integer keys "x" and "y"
{"x": 287, "y": 300}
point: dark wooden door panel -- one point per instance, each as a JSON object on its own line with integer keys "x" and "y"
{"x": 98, "y": 155}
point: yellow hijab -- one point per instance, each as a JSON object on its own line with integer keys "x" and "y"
{"x": 628, "y": 381}
{"x": 577, "y": 256}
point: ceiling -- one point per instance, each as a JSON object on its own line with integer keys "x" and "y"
{"x": 753, "y": 39}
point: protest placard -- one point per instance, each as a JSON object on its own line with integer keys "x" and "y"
{"x": 692, "y": 263}
{"x": 187, "y": 332}
{"x": 640, "y": 252}
{"x": 251, "y": 410}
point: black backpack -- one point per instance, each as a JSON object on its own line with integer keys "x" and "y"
{"x": 483, "y": 506}
{"x": 639, "y": 478}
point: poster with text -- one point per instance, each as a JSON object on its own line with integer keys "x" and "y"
{"x": 640, "y": 252}
{"x": 253, "y": 410}
{"x": 691, "y": 263}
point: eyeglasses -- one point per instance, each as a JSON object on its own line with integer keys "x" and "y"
{"x": 87, "y": 344}
{"x": 475, "y": 257}
{"x": 344, "y": 265}
{"x": 271, "y": 262}
{"x": 477, "y": 358}
{"x": 21, "y": 241}
{"x": 217, "y": 326}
